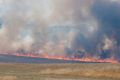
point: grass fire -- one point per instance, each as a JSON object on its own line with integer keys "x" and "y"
{"x": 83, "y": 33}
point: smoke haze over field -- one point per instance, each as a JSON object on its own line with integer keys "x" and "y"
{"x": 61, "y": 27}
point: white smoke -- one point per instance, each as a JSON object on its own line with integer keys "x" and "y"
{"x": 48, "y": 25}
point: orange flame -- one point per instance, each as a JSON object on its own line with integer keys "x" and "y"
{"x": 87, "y": 59}
{"x": 63, "y": 57}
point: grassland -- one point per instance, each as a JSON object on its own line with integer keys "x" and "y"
{"x": 82, "y": 71}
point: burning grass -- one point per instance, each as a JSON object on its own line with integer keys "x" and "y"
{"x": 92, "y": 71}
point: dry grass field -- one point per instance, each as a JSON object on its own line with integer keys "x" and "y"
{"x": 81, "y": 71}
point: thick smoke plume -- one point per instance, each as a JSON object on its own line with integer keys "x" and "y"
{"x": 72, "y": 28}
{"x": 107, "y": 14}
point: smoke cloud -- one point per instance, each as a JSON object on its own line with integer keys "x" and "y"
{"x": 107, "y": 14}
{"x": 61, "y": 27}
